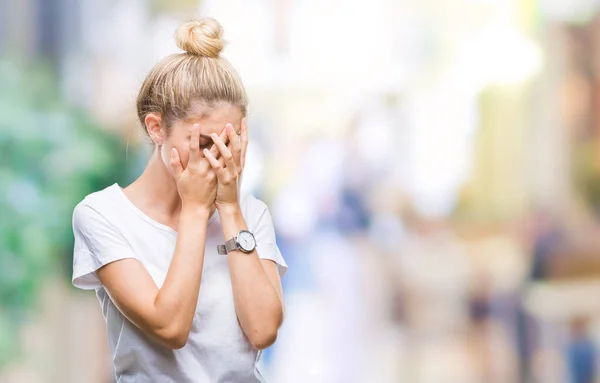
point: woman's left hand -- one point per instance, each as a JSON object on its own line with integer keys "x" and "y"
{"x": 240, "y": 157}
{"x": 244, "y": 142}
{"x": 228, "y": 170}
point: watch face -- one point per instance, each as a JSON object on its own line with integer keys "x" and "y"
{"x": 246, "y": 240}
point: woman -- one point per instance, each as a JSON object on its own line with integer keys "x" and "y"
{"x": 187, "y": 272}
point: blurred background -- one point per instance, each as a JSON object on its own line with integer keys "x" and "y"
{"x": 433, "y": 170}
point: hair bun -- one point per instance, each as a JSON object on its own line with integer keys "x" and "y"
{"x": 201, "y": 37}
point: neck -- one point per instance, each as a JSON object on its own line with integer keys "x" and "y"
{"x": 156, "y": 188}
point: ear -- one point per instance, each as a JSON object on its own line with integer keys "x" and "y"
{"x": 155, "y": 128}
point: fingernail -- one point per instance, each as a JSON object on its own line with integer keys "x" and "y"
{"x": 214, "y": 135}
{"x": 229, "y": 127}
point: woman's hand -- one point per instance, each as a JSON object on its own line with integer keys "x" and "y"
{"x": 197, "y": 183}
{"x": 229, "y": 169}
{"x": 243, "y": 141}
{"x": 239, "y": 156}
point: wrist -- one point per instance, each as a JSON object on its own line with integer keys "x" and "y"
{"x": 197, "y": 211}
{"x": 232, "y": 220}
{"x": 229, "y": 209}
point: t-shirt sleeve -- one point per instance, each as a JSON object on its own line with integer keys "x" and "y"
{"x": 266, "y": 244}
{"x": 97, "y": 243}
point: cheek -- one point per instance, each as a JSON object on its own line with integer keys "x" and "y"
{"x": 165, "y": 155}
{"x": 184, "y": 154}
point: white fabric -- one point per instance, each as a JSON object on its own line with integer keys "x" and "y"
{"x": 108, "y": 227}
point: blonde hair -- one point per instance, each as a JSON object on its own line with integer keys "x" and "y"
{"x": 199, "y": 75}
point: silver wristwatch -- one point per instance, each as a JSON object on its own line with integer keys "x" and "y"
{"x": 244, "y": 241}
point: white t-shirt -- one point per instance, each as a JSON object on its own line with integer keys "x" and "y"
{"x": 108, "y": 227}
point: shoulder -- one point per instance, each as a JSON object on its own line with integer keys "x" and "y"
{"x": 255, "y": 212}
{"x": 95, "y": 206}
{"x": 107, "y": 196}
{"x": 252, "y": 207}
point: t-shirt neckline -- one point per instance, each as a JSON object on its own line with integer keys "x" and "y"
{"x": 146, "y": 218}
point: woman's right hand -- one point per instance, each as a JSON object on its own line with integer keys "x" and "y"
{"x": 197, "y": 183}
{"x": 166, "y": 313}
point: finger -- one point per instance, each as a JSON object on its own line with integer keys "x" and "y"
{"x": 176, "y": 162}
{"x": 215, "y": 149}
{"x": 195, "y": 143}
{"x": 213, "y": 161}
{"x": 225, "y": 153}
{"x": 234, "y": 141}
{"x": 219, "y": 158}
{"x": 243, "y": 141}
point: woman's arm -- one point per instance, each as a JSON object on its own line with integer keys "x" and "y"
{"x": 257, "y": 293}
{"x": 256, "y": 285}
{"x": 165, "y": 314}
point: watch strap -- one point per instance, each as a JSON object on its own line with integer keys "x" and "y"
{"x": 230, "y": 245}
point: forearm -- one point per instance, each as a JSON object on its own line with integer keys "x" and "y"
{"x": 257, "y": 303}
{"x": 176, "y": 300}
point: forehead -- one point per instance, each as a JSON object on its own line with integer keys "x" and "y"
{"x": 213, "y": 119}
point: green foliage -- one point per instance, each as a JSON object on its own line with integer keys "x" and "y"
{"x": 52, "y": 155}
